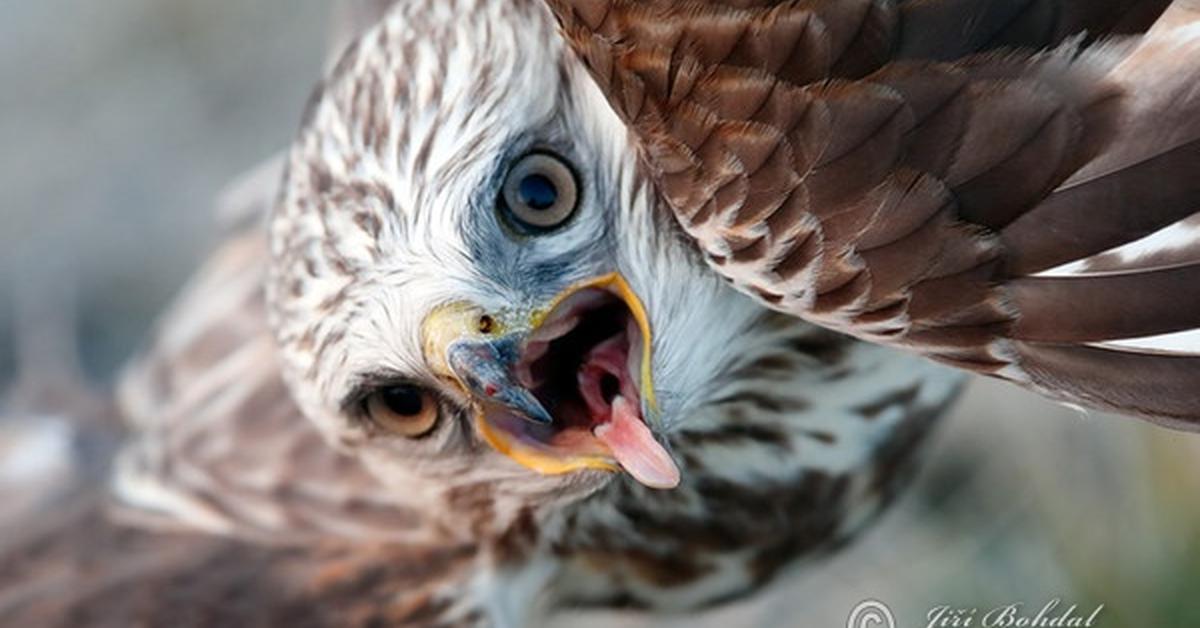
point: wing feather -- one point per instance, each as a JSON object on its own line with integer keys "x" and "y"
{"x": 907, "y": 172}
{"x": 78, "y": 567}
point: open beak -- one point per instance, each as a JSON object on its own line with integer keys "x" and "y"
{"x": 566, "y": 388}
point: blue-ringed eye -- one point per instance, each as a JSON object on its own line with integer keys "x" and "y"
{"x": 540, "y": 192}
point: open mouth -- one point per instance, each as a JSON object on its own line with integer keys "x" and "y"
{"x": 587, "y": 362}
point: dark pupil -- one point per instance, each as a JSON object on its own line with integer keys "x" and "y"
{"x": 538, "y": 192}
{"x": 404, "y": 400}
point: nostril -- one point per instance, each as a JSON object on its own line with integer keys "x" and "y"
{"x": 610, "y": 387}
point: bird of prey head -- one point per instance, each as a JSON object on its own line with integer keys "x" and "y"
{"x": 498, "y": 344}
{"x": 471, "y": 273}
{"x": 475, "y": 262}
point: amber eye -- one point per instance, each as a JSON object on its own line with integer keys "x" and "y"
{"x": 403, "y": 409}
{"x": 540, "y": 192}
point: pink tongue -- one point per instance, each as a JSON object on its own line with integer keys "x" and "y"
{"x": 635, "y": 448}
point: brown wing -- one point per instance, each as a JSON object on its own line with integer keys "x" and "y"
{"x": 860, "y": 164}
{"x": 76, "y": 567}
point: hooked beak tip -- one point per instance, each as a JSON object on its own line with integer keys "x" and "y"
{"x": 486, "y": 366}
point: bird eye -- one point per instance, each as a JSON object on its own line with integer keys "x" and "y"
{"x": 403, "y": 409}
{"x": 540, "y": 192}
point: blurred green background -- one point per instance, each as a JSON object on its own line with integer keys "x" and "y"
{"x": 121, "y": 120}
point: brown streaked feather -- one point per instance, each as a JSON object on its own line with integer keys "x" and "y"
{"x": 214, "y": 426}
{"x": 910, "y": 201}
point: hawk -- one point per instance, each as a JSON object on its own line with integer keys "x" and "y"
{"x": 617, "y": 303}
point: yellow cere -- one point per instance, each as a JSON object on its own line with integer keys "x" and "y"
{"x": 446, "y": 324}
